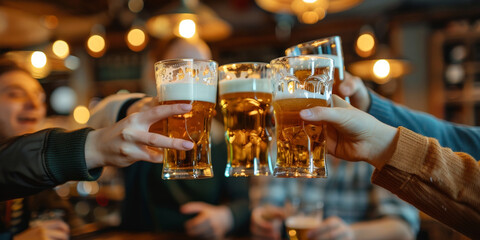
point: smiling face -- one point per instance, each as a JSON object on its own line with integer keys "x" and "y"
{"x": 22, "y": 104}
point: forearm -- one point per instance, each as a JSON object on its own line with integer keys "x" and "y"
{"x": 31, "y": 163}
{"x": 458, "y": 137}
{"x": 436, "y": 180}
{"x": 382, "y": 229}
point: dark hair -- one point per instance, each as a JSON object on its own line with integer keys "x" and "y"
{"x": 7, "y": 65}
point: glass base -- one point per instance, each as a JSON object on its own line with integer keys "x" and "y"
{"x": 246, "y": 172}
{"x": 295, "y": 172}
{"x": 187, "y": 173}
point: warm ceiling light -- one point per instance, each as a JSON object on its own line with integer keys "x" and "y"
{"x": 60, "y": 49}
{"x": 81, "y": 114}
{"x": 136, "y": 39}
{"x": 187, "y": 28}
{"x": 381, "y": 68}
{"x": 366, "y": 42}
{"x": 38, "y": 59}
{"x": 208, "y": 26}
{"x": 309, "y": 1}
{"x": 96, "y": 43}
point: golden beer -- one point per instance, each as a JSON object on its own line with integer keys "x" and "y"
{"x": 244, "y": 116}
{"x": 298, "y": 227}
{"x": 301, "y": 145}
{"x": 245, "y": 92}
{"x": 181, "y": 81}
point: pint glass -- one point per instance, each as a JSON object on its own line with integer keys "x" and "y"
{"x": 245, "y": 96}
{"x": 302, "y": 217}
{"x": 194, "y": 82}
{"x": 330, "y": 47}
{"x": 300, "y": 82}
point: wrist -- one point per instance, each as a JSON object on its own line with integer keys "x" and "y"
{"x": 227, "y": 218}
{"x": 92, "y": 155}
{"x": 386, "y": 144}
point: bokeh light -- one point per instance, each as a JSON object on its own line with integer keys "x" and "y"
{"x": 60, "y": 49}
{"x": 81, "y": 114}
{"x": 38, "y": 59}
{"x": 187, "y": 28}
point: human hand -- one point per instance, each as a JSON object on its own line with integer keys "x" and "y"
{"x": 354, "y": 135}
{"x": 142, "y": 105}
{"x": 211, "y": 222}
{"x": 332, "y": 228}
{"x": 45, "y": 230}
{"x": 267, "y": 222}
{"x": 127, "y": 141}
{"x": 353, "y": 87}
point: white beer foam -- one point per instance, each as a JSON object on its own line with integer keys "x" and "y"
{"x": 302, "y": 222}
{"x": 188, "y": 92}
{"x": 245, "y": 85}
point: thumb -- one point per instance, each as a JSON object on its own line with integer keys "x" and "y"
{"x": 339, "y": 102}
{"x": 193, "y": 207}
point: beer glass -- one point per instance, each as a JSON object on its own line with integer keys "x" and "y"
{"x": 302, "y": 217}
{"x": 245, "y": 96}
{"x": 300, "y": 82}
{"x": 193, "y": 82}
{"x": 328, "y": 47}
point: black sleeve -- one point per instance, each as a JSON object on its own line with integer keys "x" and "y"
{"x": 34, "y": 162}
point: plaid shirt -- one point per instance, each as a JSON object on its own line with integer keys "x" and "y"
{"x": 347, "y": 193}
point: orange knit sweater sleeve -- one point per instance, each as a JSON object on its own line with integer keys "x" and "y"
{"x": 442, "y": 183}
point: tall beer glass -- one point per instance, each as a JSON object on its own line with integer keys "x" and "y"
{"x": 194, "y": 82}
{"x": 328, "y": 47}
{"x": 300, "y": 82}
{"x": 245, "y": 96}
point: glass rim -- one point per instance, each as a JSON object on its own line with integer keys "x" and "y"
{"x": 325, "y": 58}
{"x": 180, "y": 60}
{"x": 310, "y": 43}
{"x": 244, "y": 63}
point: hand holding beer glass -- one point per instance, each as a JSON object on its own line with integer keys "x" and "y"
{"x": 300, "y": 82}
{"x": 330, "y": 47}
{"x": 302, "y": 217}
{"x": 194, "y": 82}
{"x": 246, "y": 93}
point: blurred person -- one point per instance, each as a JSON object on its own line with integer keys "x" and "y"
{"x": 207, "y": 208}
{"x": 442, "y": 183}
{"x": 22, "y": 104}
{"x": 459, "y": 137}
{"x": 353, "y": 207}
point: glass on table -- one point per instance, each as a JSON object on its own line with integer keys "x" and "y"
{"x": 302, "y": 217}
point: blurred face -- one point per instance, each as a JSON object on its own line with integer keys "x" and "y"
{"x": 22, "y": 104}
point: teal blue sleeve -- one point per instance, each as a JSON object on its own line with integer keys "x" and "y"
{"x": 460, "y": 138}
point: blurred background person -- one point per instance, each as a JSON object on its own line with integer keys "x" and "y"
{"x": 353, "y": 207}
{"x": 206, "y": 208}
{"x": 44, "y": 215}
